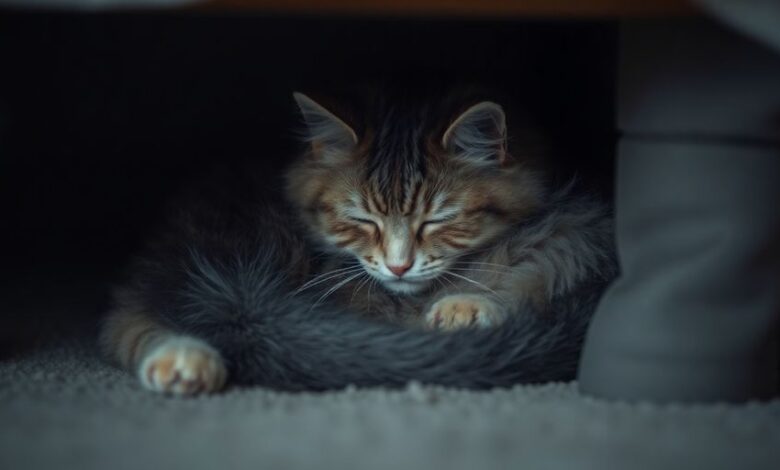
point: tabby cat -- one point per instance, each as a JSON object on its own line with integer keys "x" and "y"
{"x": 412, "y": 247}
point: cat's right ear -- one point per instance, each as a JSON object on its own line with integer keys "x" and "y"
{"x": 478, "y": 135}
{"x": 330, "y": 137}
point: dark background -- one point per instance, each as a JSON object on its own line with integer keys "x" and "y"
{"x": 102, "y": 117}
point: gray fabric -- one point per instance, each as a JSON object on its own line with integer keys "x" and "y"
{"x": 757, "y": 18}
{"x": 694, "y": 313}
{"x": 62, "y": 408}
{"x": 694, "y": 316}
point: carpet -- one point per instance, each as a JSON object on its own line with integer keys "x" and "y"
{"x": 62, "y": 407}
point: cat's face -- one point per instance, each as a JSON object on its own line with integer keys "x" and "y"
{"x": 408, "y": 202}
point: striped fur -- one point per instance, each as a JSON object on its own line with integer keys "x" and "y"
{"x": 418, "y": 222}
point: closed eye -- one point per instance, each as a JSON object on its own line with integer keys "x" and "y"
{"x": 364, "y": 221}
{"x": 435, "y": 221}
{"x": 430, "y": 222}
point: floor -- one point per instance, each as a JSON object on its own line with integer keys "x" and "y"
{"x": 62, "y": 407}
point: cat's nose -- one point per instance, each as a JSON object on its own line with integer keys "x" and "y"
{"x": 400, "y": 270}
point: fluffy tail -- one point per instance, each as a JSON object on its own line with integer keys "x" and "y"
{"x": 270, "y": 338}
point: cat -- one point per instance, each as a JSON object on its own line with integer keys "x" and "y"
{"x": 414, "y": 246}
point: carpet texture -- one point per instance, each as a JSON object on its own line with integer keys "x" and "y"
{"x": 62, "y": 407}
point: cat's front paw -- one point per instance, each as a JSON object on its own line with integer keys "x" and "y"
{"x": 464, "y": 310}
{"x": 183, "y": 366}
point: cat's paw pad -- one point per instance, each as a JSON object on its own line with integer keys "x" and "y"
{"x": 183, "y": 366}
{"x": 462, "y": 311}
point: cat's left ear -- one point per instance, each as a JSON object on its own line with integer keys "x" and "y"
{"x": 329, "y": 136}
{"x": 478, "y": 135}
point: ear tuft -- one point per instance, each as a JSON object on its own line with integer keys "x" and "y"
{"x": 478, "y": 135}
{"x": 329, "y": 136}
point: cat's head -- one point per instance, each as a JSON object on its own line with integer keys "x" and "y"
{"x": 409, "y": 196}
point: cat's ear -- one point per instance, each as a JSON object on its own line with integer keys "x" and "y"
{"x": 478, "y": 135}
{"x": 329, "y": 136}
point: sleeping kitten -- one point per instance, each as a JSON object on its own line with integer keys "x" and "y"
{"x": 410, "y": 218}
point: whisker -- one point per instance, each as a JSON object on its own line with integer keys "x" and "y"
{"x": 321, "y": 280}
{"x": 358, "y": 287}
{"x": 488, "y": 293}
{"x": 333, "y": 271}
{"x": 482, "y": 263}
{"x": 370, "y": 285}
{"x": 454, "y": 286}
{"x": 334, "y": 289}
{"x": 334, "y": 278}
{"x": 478, "y": 284}
{"x": 327, "y": 276}
{"x": 476, "y": 270}
{"x": 473, "y": 267}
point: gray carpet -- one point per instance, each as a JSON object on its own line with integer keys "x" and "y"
{"x": 61, "y": 407}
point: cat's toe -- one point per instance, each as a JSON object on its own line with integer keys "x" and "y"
{"x": 463, "y": 311}
{"x": 183, "y": 366}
